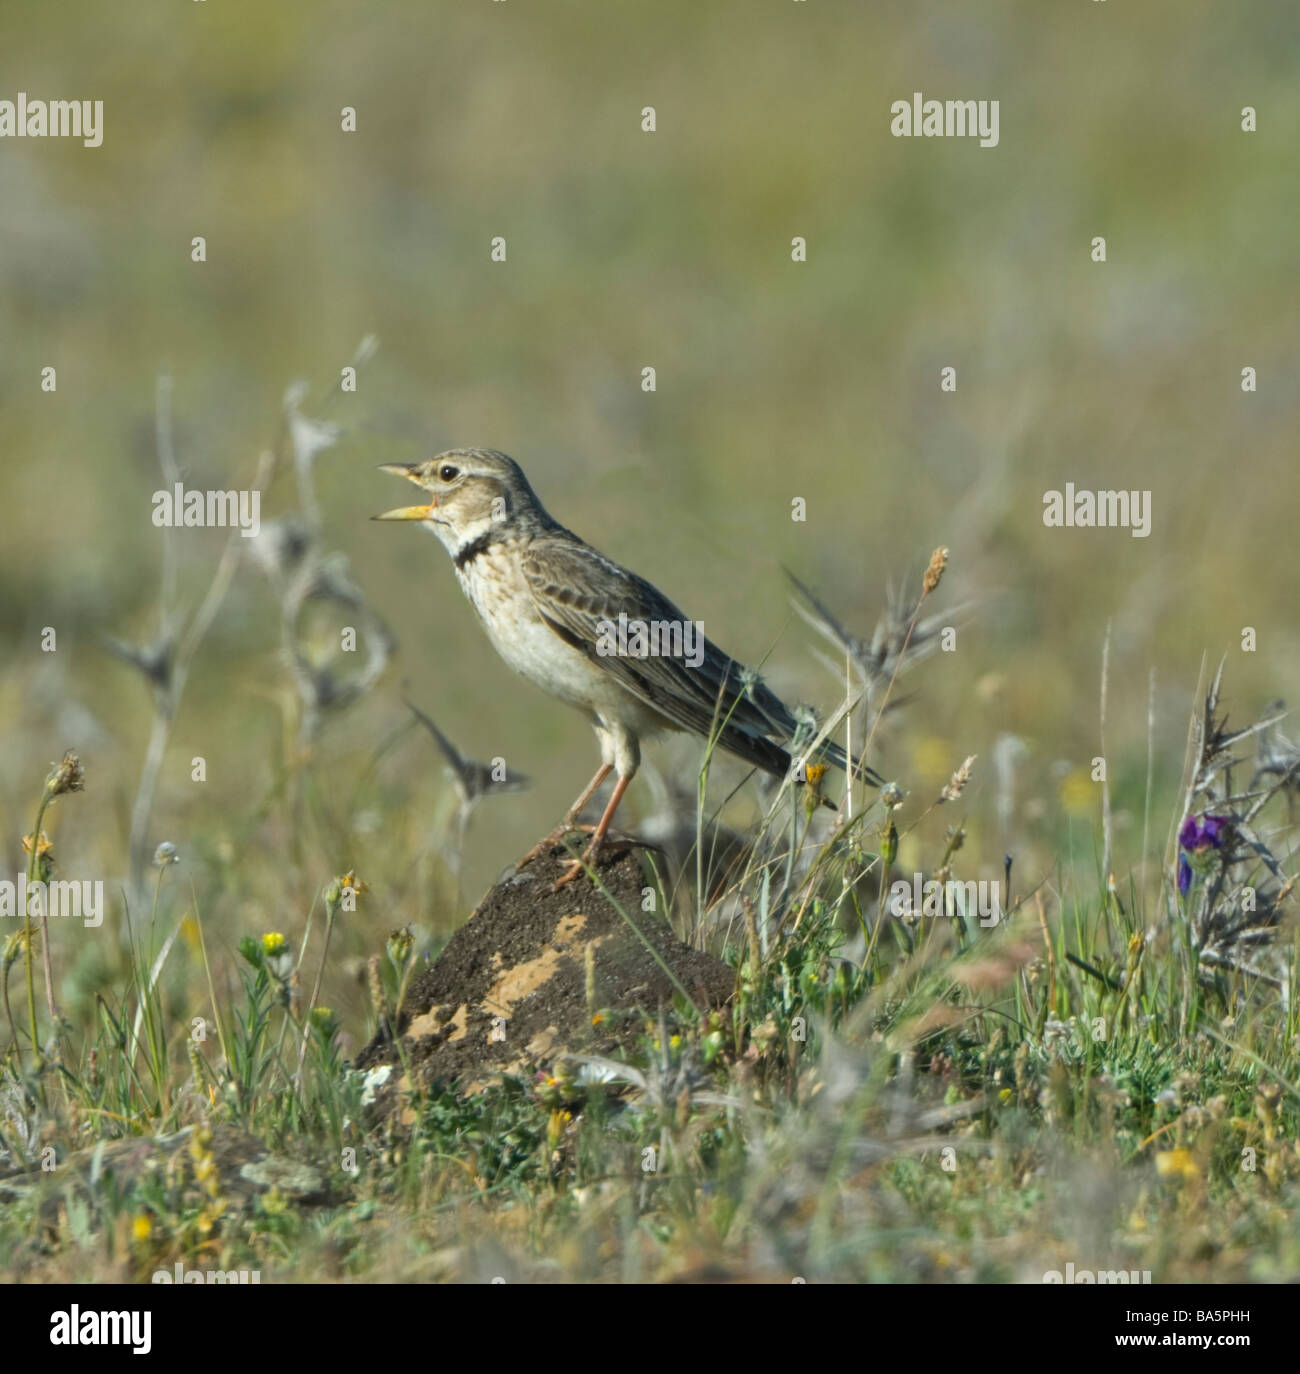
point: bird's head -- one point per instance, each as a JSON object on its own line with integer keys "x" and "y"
{"x": 472, "y": 492}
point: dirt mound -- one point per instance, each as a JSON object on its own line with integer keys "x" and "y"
{"x": 509, "y": 992}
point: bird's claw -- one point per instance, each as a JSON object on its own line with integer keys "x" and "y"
{"x": 571, "y": 870}
{"x": 545, "y": 845}
{"x": 599, "y": 844}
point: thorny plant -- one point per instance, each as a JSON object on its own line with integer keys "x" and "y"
{"x": 1229, "y": 892}
{"x": 303, "y": 576}
{"x": 900, "y": 640}
{"x": 301, "y": 573}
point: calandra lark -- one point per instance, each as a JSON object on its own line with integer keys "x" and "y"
{"x": 557, "y": 611}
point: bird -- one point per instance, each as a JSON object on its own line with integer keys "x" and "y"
{"x": 558, "y": 611}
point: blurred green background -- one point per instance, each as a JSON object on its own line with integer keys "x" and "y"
{"x": 775, "y": 380}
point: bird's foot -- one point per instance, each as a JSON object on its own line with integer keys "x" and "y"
{"x": 544, "y": 846}
{"x": 573, "y": 868}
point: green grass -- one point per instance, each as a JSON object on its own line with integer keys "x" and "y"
{"x": 934, "y": 1102}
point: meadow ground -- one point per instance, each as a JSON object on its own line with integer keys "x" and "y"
{"x": 923, "y": 1077}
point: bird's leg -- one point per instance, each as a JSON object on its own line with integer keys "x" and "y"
{"x": 575, "y": 866}
{"x": 570, "y": 821}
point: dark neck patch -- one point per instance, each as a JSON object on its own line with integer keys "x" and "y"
{"x": 467, "y": 553}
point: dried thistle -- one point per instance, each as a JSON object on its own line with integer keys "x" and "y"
{"x": 1278, "y": 757}
{"x": 472, "y": 780}
{"x": 153, "y": 661}
{"x": 325, "y": 579}
{"x": 901, "y": 638}
{"x": 1228, "y": 886}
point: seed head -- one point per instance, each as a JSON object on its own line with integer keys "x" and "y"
{"x": 68, "y": 776}
{"x": 958, "y": 781}
{"x": 938, "y": 562}
{"x": 398, "y": 948}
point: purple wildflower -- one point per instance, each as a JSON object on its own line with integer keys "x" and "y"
{"x": 1197, "y": 836}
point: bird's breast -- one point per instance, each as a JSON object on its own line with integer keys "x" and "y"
{"x": 496, "y": 588}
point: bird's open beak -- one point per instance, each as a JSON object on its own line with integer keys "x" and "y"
{"x": 407, "y": 470}
{"x": 406, "y": 513}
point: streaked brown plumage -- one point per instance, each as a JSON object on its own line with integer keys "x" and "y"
{"x": 546, "y": 599}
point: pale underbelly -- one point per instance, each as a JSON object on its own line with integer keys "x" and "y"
{"x": 535, "y": 651}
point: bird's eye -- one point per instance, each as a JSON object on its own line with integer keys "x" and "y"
{"x": 448, "y": 473}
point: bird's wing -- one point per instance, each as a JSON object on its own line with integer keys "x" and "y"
{"x": 580, "y": 594}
